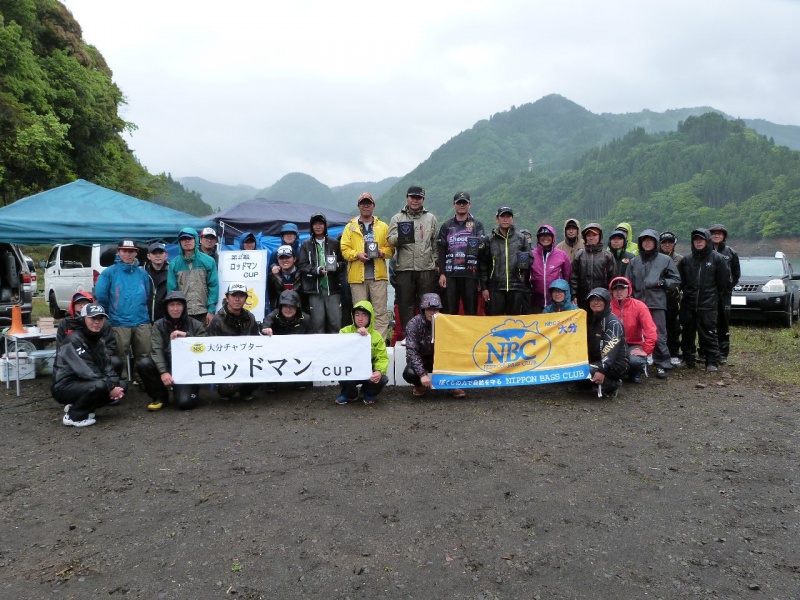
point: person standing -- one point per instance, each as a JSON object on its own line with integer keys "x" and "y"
{"x": 320, "y": 264}
{"x": 366, "y": 249}
{"x": 124, "y": 290}
{"x": 194, "y": 274}
{"x": 719, "y": 238}
{"x": 208, "y": 243}
{"x": 652, "y": 276}
{"x": 459, "y": 243}
{"x": 592, "y": 267}
{"x": 412, "y": 232}
{"x": 157, "y": 267}
{"x": 504, "y": 268}
{"x": 704, "y": 276}
{"x": 548, "y": 264}
{"x": 617, "y": 242}
{"x": 572, "y": 238}
{"x": 666, "y": 243}
{"x": 631, "y": 246}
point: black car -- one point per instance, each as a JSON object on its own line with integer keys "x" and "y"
{"x": 767, "y": 289}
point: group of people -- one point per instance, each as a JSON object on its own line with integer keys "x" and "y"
{"x": 646, "y": 304}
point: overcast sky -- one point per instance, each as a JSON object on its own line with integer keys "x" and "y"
{"x": 248, "y": 91}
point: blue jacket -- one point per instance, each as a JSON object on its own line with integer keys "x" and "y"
{"x": 124, "y": 291}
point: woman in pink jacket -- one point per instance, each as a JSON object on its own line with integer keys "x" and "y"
{"x": 548, "y": 264}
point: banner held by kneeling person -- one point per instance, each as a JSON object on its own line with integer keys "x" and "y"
{"x": 261, "y": 359}
{"x": 480, "y": 352}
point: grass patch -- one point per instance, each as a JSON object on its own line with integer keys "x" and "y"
{"x": 39, "y": 308}
{"x": 766, "y": 353}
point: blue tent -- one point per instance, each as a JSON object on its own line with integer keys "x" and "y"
{"x": 84, "y": 213}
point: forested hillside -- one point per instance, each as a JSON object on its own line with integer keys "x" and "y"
{"x": 710, "y": 170}
{"x": 59, "y": 111}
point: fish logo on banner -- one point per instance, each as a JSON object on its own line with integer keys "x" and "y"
{"x": 512, "y": 347}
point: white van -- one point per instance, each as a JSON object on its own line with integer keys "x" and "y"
{"x": 73, "y": 268}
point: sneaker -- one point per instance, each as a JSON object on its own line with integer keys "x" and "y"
{"x": 712, "y": 369}
{"x": 90, "y": 420}
{"x": 723, "y": 360}
{"x": 369, "y": 400}
{"x": 635, "y": 379}
{"x": 343, "y": 400}
{"x": 155, "y": 405}
{"x": 611, "y": 395}
{"x": 676, "y": 362}
{"x": 68, "y": 406}
{"x": 661, "y": 373}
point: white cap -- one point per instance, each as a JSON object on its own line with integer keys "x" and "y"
{"x": 236, "y": 287}
{"x": 209, "y": 231}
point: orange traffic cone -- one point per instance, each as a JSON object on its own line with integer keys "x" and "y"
{"x": 16, "y": 321}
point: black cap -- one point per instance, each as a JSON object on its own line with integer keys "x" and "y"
{"x": 504, "y": 209}
{"x": 619, "y": 283}
{"x": 127, "y": 244}
{"x": 415, "y": 190}
{"x": 668, "y": 236}
{"x": 156, "y": 247}
{"x": 461, "y": 196}
{"x": 543, "y": 231}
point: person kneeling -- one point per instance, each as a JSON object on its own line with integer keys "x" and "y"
{"x": 155, "y": 370}
{"x": 84, "y": 378}
{"x": 363, "y": 314}
{"x": 608, "y": 352}
{"x": 419, "y": 347}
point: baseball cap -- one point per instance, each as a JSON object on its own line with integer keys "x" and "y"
{"x": 127, "y": 244}
{"x": 415, "y": 190}
{"x": 208, "y": 231}
{"x": 618, "y": 284}
{"x": 366, "y": 198}
{"x": 543, "y": 231}
{"x": 503, "y": 210}
{"x": 93, "y": 310}
{"x": 668, "y": 236}
{"x": 157, "y": 247}
{"x": 184, "y": 235}
{"x": 236, "y": 287}
{"x": 285, "y": 250}
{"x": 461, "y": 196}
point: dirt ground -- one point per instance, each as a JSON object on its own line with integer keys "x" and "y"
{"x": 670, "y": 491}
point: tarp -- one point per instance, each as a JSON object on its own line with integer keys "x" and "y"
{"x": 84, "y": 213}
{"x": 268, "y": 216}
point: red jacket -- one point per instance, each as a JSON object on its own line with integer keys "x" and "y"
{"x": 640, "y": 329}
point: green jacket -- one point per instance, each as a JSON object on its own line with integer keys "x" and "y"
{"x": 380, "y": 358}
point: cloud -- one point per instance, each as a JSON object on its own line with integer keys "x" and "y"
{"x": 354, "y": 91}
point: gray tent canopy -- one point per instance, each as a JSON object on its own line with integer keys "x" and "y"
{"x": 84, "y": 213}
{"x": 268, "y": 216}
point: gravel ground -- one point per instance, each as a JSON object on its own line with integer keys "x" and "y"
{"x": 684, "y": 488}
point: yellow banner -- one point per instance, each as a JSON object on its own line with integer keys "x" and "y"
{"x": 508, "y": 351}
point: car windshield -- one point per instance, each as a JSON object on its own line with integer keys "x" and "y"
{"x": 762, "y": 267}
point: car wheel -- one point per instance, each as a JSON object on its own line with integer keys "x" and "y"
{"x": 788, "y": 318}
{"x": 55, "y": 312}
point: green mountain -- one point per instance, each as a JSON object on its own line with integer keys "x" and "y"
{"x": 346, "y": 195}
{"x": 218, "y": 195}
{"x": 172, "y": 194}
{"x": 710, "y": 170}
{"x": 547, "y": 137}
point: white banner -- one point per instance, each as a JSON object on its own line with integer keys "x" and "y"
{"x": 250, "y": 268}
{"x": 256, "y": 359}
